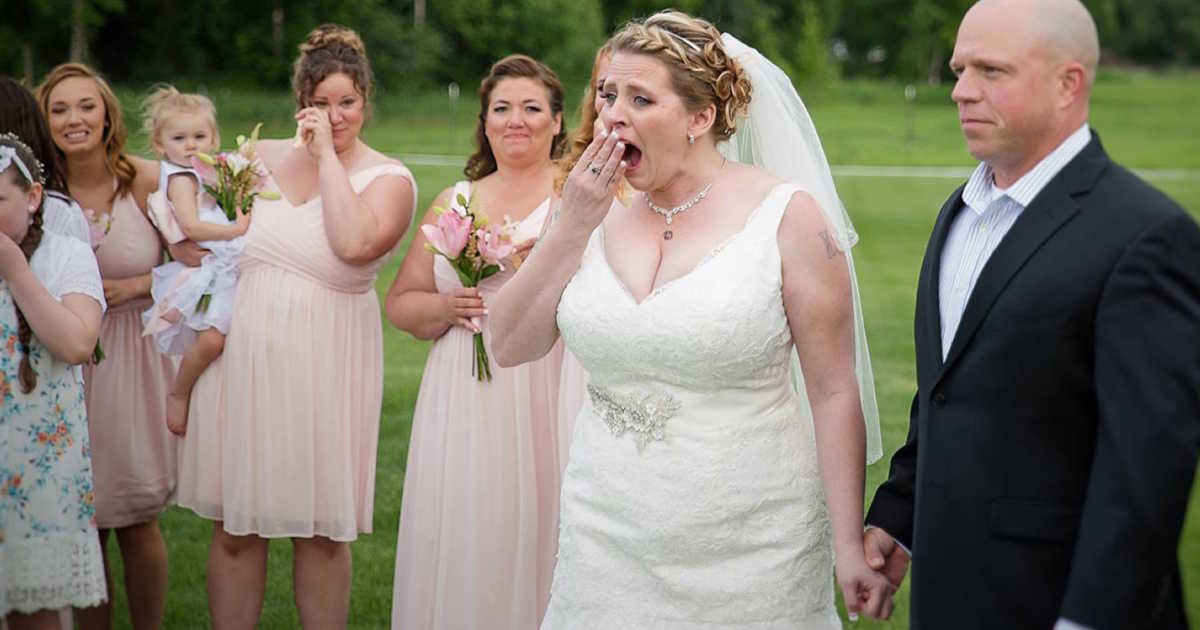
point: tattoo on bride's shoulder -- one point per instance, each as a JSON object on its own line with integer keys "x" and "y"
{"x": 830, "y": 251}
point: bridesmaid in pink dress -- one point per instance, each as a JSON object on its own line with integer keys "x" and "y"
{"x": 479, "y": 518}
{"x": 133, "y": 455}
{"x": 283, "y": 426}
{"x": 572, "y": 384}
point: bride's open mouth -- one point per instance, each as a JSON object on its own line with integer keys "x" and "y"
{"x": 632, "y": 156}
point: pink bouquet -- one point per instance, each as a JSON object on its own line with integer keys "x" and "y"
{"x": 234, "y": 178}
{"x": 476, "y": 250}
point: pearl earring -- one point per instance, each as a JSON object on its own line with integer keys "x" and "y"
{"x": 691, "y": 139}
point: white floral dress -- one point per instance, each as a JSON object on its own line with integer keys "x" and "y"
{"x": 49, "y": 552}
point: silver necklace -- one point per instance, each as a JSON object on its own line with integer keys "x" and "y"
{"x": 669, "y": 213}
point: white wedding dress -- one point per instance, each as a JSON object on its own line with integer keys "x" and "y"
{"x": 692, "y": 497}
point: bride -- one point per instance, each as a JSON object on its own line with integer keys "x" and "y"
{"x": 713, "y": 479}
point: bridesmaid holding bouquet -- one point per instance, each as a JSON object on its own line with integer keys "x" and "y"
{"x": 479, "y": 520}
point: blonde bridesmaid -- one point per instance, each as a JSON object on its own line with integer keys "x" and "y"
{"x": 133, "y": 455}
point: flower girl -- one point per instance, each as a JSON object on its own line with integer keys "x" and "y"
{"x": 51, "y": 300}
{"x": 192, "y": 305}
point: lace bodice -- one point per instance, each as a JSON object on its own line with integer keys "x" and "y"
{"x": 692, "y": 497}
{"x": 721, "y": 326}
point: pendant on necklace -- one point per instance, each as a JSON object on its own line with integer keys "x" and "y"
{"x": 668, "y": 235}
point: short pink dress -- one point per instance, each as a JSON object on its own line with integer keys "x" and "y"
{"x": 283, "y": 427}
{"x": 133, "y": 453}
{"x": 479, "y": 519}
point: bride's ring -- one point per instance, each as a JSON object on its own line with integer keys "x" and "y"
{"x": 594, "y": 169}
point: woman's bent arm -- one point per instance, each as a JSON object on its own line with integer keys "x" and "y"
{"x": 524, "y": 314}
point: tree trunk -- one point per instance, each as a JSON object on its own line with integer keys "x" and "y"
{"x": 78, "y": 32}
{"x": 27, "y": 63}
{"x": 419, "y": 14}
{"x": 277, "y": 32}
{"x": 935, "y": 66}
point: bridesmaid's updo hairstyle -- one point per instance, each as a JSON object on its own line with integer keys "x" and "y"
{"x": 29, "y": 244}
{"x": 115, "y": 132}
{"x": 702, "y": 72}
{"x": 330, "y": 49}
{"x": 483, "y": 162}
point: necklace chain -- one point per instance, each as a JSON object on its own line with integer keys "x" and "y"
{"x": 669, "y": 213}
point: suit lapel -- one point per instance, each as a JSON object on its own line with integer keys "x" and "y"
{"x": 931, "y": 278}
{"x": 1053, "y": 207}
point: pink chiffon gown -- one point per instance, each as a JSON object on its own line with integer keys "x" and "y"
{"x": 479, "y": 517}
{"x": 283, "y": 427}
{"x": 133, "y": 453}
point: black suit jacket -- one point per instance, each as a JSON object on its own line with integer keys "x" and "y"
{"x": 1050, "y": 457}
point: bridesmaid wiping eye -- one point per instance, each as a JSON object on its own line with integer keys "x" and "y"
{"x": 294, "y": 424}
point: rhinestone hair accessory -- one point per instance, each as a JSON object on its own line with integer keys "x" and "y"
{"x": 9, "y": 156}
{"x": 680, "y": 38}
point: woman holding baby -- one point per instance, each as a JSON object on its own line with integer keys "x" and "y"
{"x": 283, "y": 427}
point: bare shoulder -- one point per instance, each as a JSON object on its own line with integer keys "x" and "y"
{"x": 375, "y": 158}
{"x": 394, "y": 183}
{"x": 441, "y": 201}
{"x": 272, "y": 152}
{"x": 146, "y": 172}
{"x": 272, "y": 147}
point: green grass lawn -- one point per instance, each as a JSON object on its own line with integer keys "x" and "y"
{"x": 1144, "y": 122}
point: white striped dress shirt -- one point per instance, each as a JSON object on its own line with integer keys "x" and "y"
{"x": 979, "y": 228}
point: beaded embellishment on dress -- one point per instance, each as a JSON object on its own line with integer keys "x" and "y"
{"x": 643, "y": 414}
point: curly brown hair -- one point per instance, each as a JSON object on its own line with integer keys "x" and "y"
{"x": 483, "y": 162}
{"x": 115, "y": 132}
{"x": 330, "y": 49}
{"x": 702, "y": 72}
{"x": 29, "y": 244}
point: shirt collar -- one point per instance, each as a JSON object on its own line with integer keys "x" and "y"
{"x": 981, "y": 189}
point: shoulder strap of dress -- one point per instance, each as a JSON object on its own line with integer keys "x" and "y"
{"x": 461, "y": 187}
{"x": 363, "y": 178}
{"x": 769, "y": 214}
{"x": 170, "y": 168}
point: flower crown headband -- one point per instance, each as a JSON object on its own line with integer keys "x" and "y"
{"x": 9, "y": 156}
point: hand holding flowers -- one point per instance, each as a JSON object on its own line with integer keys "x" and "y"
{"x": 235, "y": 178}
{"x": 476, "y": 251}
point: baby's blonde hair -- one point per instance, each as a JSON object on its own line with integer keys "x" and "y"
{"x": 164, "y": 100}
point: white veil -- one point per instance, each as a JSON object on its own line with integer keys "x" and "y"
{"x": 778, "y": 135}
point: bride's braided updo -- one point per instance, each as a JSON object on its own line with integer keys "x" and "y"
{"x": 702, "y": 72}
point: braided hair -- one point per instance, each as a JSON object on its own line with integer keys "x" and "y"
{"x": 29, "y": 244}
{"x": 702, "y": 72}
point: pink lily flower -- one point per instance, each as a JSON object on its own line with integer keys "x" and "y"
{"x": 449, "y": 235}
{"x": 206, "y": 171}
{"x": 493, "y": 247}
